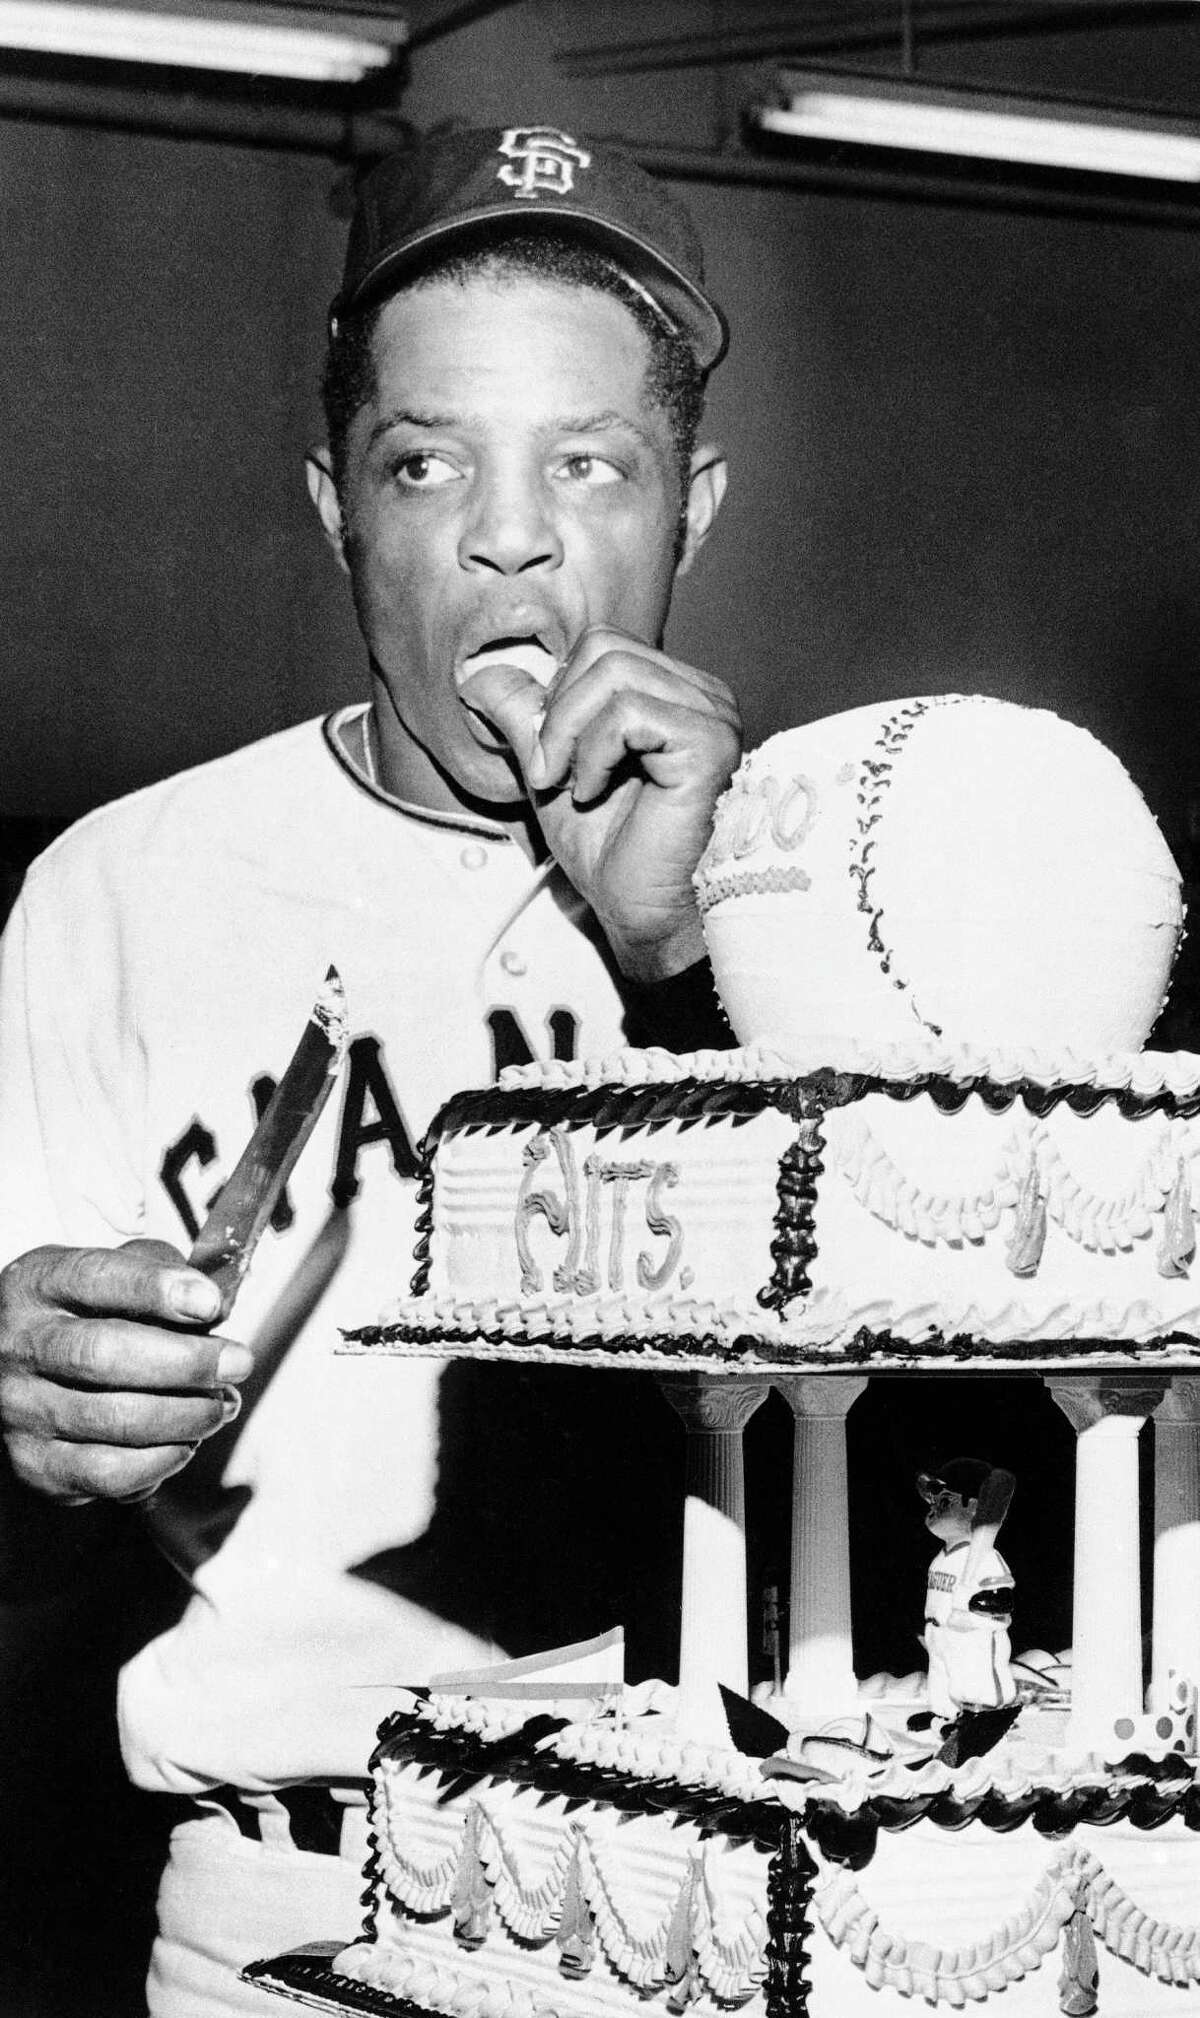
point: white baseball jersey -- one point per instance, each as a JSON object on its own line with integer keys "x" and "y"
{"x": 156, "y": 975}
{"x": 968, "y": 1662}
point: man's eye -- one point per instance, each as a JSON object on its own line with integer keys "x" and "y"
{"x": 590, "y": 469}
{"x": 421, "y": 470}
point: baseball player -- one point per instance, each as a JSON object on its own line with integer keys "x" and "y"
{"x": 495, "y": 851}
{"x": 969, "y": 1591}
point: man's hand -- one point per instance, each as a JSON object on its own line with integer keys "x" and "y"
{"x": 107, "y": 1380}
{"x": 623, "y": 771}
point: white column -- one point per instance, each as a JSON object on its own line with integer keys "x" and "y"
{"x": 1176, "y": 1637}
{"x": 820, "y": 1674}
{"x": 1106, "y": 1413}
{"x": 712, "y": 1633}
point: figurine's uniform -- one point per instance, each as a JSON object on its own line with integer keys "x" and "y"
{"x": 969, "y": 1661}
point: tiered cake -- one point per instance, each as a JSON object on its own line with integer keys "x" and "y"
{"x": 942, "y": 930}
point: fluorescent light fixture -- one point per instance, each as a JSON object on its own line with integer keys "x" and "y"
{"x": 272, "y": 41}
{"x": 906, "y": 115}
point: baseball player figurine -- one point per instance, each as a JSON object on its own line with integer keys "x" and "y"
{"x": 968, "y": 1605}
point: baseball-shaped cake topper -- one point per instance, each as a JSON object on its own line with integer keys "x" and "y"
{"x": 953, "y": 870}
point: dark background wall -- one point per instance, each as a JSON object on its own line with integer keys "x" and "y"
{"x": 160, "y": 333}
{"x": 965, "y": 453}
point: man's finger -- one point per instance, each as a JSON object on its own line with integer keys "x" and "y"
{"x": 144, "y": 1280}
{"x": 646, "y": 693}
{"x": 623, "y": 727}
{"x": 678, "y": 746}
{"x": 130, "y": 1419}
{"x": 113, "y": 1352}
{"x": 598, "y": 643}
{"x": 86, "y": 1471}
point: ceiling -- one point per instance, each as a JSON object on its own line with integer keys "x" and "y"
{"x": 703, "y": 60}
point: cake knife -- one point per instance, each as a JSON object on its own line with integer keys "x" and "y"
{"x": 245, "y": 1202}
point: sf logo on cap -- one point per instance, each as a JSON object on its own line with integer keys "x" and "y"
{"x": 542, "y": 161}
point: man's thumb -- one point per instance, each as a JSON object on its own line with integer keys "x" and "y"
{"x": 516, "y": 705}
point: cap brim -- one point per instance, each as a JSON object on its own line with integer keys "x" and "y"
{"x": 698, "y": 320}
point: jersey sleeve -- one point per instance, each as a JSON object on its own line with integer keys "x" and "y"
{"x": 67, "y": 1097}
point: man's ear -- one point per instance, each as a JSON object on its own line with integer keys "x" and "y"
{"x": 318, "y": 468}
{"x": 706, "y": 488}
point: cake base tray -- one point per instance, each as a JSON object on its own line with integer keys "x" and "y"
{"x": 305, "y": 1975}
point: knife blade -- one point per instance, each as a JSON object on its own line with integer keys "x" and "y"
{"x": 239, "y": 1214}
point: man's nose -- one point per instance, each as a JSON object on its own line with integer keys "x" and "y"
{"x": 511, "y": 529}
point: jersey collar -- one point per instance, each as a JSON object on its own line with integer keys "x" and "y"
{"x": 343, "y": 734}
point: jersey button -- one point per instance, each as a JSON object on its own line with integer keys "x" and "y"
{"x": 474, "y": 857}
{"x": 512, "y": 963}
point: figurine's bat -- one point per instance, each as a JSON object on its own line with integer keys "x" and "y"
{"x": 995, "y": 1498}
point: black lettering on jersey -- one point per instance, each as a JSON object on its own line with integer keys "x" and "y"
{"x": 511, "y": 1046}
{"x": 196, "y": 1145}
{"x": 262, "y": 1092}
{"x": 381, "y": 1121}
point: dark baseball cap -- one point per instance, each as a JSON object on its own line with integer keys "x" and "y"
{"x": 471, "y": 185}
{"x": 963, "y": 1476}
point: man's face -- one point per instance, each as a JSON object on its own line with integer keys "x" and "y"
{"x": 508, "y": 480}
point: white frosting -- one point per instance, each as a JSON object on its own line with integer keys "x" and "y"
{"x": 530, "y": 658}
{"x": 956, "y": 866}
{"x": 651, "y": 1747}
{"x": 665, "y": 1233}
{"x": 950, "y": 1918}
{"x": 647, "y": 1901}
{"x": 967, "y": 1921}
{"x": 1145, "y": 1073}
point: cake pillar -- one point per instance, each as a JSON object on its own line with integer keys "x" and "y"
{"x": 712, "y": 1632}
{"x": 1106, "y": 1413}
{"x": 1176, "y": 1635}
{"x": 820, "y": 1674}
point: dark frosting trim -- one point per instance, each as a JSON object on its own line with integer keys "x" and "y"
{"x": 794, "y": 1244}
{"x": 790, "y": 1881}
{"x": 866, "y": 1348}
{"x": 874, "y": 784}
{"x": 1153, "y": 1792}
{"x": 607, "y": 1108}
{"x": 621, "y": 1107}
{"x": 463, "y": 1758}
{"x": 695, "y": 1345}
{"x": 423, "y": 1222}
